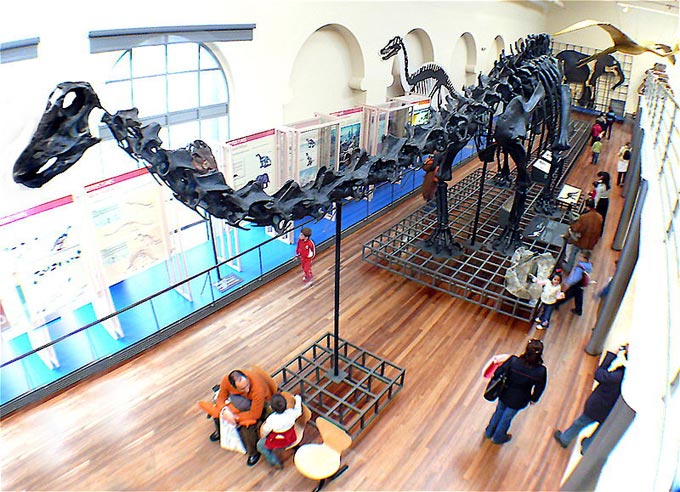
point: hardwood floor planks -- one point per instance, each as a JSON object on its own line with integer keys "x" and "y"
{"x": 138, "y": 426}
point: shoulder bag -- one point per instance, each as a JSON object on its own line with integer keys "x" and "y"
{"x": 496, "y": 386}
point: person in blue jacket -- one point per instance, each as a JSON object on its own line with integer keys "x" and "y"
{"x": 601, "y": 401}
{"x": 575, "y": 283}
{"x": 526, "y": 380}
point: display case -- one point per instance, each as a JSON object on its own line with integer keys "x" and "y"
{"x": 392, "y": 117}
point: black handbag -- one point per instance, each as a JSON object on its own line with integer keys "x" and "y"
{"x": 495, "y": 386}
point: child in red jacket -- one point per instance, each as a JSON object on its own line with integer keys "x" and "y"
{"x": 306, "y": 251}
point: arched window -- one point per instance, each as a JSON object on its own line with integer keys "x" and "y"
{"x": 181, "y": 86}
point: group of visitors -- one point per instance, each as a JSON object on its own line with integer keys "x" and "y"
{"x": 601, "y": 127}
{"x": 525, "y": 381}
{"x": 582, "y": 236}
{"x": 265, "y": 421}
{"x": 526, "y": 376}
{"x": 262, "y": 417}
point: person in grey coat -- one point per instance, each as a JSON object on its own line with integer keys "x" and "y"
{"x": 601, "y": 401}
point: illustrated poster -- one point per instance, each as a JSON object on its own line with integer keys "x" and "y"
{"x": 128, "y": 220}
{"x": 252, "y": 158}
{"x": 47, "y": 272}
{"x": 350, "y": 133}
{"x": 308, "y": 157}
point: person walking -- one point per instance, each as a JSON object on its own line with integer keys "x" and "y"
{"x": 576, "y": 281}
{"x": 595, "y": 131}
{"x": 306, "y": 252}
{"x": 595, "y": 150}
{"x": 583, "y": 235}
{"x": 601, "y": 401}
{"x": 610, "y": 118}
{"x": 526, "y": 381}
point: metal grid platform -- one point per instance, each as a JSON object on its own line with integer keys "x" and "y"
{"x": 478, "y": 276}
{"x": 352, "y": 401}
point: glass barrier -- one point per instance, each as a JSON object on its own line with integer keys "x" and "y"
{"x": 146, "y": 303}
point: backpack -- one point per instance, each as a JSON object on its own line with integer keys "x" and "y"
{"x": 626, "y": 155}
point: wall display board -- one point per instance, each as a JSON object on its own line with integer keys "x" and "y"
{"x": 390, "y": 117}
{"x": 350, "y": 134}
{"x": 315, "y": 144}
{"x": 420, "y": 108}
{"x": 308, "y": 156}
{"x": 44, "y": 271}
{"x": 306, "y": 146}
{"x": 129, "y": 225}
{"x": 42, "y": 260}
{"x": 252, "y": 158}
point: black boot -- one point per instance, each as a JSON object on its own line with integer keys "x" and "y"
{"x": 215, "y": 436}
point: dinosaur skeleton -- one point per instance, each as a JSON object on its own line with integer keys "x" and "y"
{"x": 526, "y": 83}
{"x": 63, "y": 136}
{"x": 428, "y": 80}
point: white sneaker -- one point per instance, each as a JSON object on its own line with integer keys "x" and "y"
{"x": 537, "y": 320}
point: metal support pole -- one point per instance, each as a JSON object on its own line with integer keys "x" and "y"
{"x": 624, "y": 271}
{"x": 214, "y": 247}
{"x": 336, "y": 318}
{"x": 475, "y": 225}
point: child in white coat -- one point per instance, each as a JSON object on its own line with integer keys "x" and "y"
{"x": 550, "y": 294}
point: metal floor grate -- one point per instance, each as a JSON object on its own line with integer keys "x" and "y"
{"x": 476, "y": 276}
{"x": 353, "y": 401}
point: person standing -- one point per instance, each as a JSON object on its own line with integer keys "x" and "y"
{"x": 595, "y": 131}
{"x": 278, "y": 431}
{"x": 622, "y": 164}
{"x": 306, "y": 251}
{"x": 601, "y": 401}
{"x": 526, "y": 380}
{"x": 610, "y": 118}
{"x": 602, "y": 190}
{"x": 430, "y": 179}
{"x": 595, "y": 150}
{"x": 583, "y": 234}
{"x": 551, "y": 293}
{"x": 575, "y": 282}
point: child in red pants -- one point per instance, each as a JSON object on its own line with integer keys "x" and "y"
{"x": 306, "y": 251}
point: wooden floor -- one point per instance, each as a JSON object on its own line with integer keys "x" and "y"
{"x": 138, "y": 426}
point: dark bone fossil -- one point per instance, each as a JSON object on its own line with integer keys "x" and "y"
{"x": 527, "y": 83}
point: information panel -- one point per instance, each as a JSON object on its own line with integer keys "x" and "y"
{"x": 129, "y": 225}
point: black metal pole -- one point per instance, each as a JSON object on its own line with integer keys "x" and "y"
{"x": 479, "y": 204}
{"x": 214, "y": 247}
{"x": 336, "y": 320}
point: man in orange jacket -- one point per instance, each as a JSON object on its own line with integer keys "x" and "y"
{"x": 244, "y": 393}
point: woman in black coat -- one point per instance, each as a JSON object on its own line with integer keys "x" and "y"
{"x": 601, "y": 400}
{"x": 526, "y": 380}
